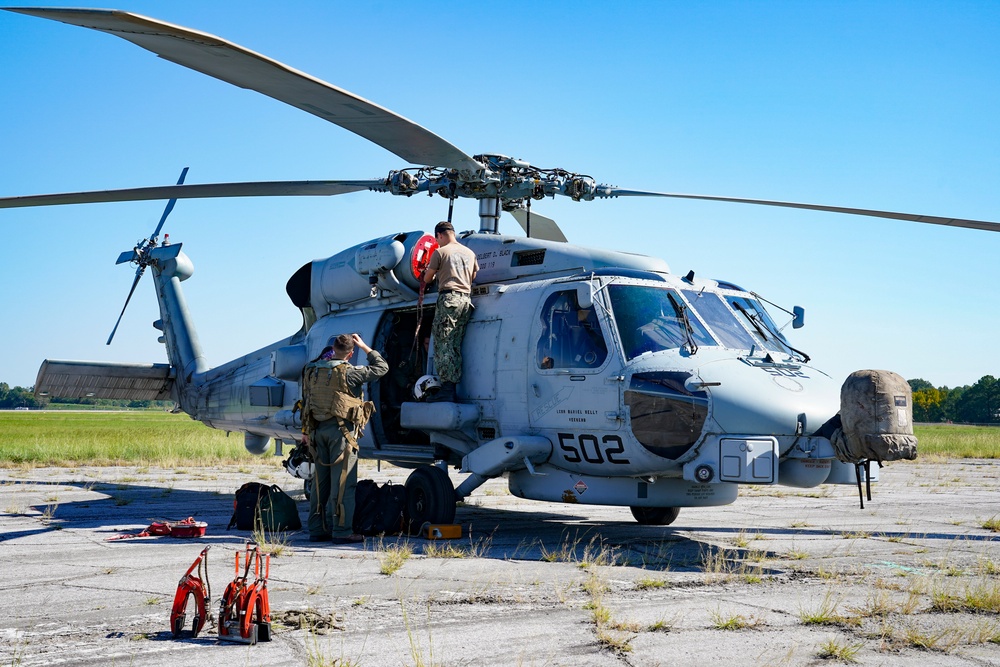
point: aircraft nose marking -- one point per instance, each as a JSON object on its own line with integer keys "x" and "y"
{"x": 787, "y": 383}
{"x": 548, "y": 405}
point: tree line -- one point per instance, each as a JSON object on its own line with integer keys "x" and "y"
{"x": 975, "y": 404}
{"x": 12, "y": 398}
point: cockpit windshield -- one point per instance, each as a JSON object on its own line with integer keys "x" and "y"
{"x": 760, "y": 322}
{"x": 722, "y": 320}
{"x": 652, "y": 319}
{"x": 740, "y": 322}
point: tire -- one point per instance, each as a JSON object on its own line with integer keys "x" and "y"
{"x": 430, "y": 498}
{"x": 655, "y": 516}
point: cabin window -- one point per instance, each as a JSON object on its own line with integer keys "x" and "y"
{"x": 651, "y": 319}
{"x": 571, "y": 335}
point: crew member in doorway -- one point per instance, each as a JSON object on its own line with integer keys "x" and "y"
{"x": 455, "y": 268}
{"x": 334, "y": 413}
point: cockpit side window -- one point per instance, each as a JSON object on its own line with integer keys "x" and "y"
{"x": 652, "y": 319}
{"x": 571, "y": 336}
{"x": 721, "y": 319}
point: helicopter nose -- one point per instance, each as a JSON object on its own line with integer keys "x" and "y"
{"x": 768, "y": 399}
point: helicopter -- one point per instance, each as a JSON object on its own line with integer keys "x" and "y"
{"x": 591, "y": 376}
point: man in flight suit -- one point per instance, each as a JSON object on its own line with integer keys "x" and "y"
{"x": 333, "y": 414}
{"x": 455, "y": 268}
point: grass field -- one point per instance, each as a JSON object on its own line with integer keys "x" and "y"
{"x": 956, "y": 441}
{"x": 57, "y": 438}
{"x": 45, "y": 438}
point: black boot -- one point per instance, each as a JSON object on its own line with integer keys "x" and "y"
{"x": 446, "y": 394}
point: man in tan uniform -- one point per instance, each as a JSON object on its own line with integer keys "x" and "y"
{"x": 455, "y": 268}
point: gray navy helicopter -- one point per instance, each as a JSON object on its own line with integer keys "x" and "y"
{"x": 590, "y": 376}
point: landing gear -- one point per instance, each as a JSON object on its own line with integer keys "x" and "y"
{"x": 430, "y": 498}
{"x": 655, "y": 516}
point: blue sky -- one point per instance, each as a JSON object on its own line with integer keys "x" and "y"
{"x": 884, "y": 105}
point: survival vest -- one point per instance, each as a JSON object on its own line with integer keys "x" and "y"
{"x": 326, "y": 395}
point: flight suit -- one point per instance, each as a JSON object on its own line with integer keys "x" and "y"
{"x": 334, "y": 454}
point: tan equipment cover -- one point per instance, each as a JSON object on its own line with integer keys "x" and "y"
{"x": 876, "y": 411}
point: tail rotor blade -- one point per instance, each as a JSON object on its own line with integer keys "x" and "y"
{"x": 138, "y": 275}
{"x": 170, "y": 206}
{"x": 140, "y": 254}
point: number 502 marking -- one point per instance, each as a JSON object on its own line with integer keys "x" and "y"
{"x": 586, "y": 447}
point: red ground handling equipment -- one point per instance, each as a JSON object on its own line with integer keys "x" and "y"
{"x": 201, "y": 591}
{"x": 245, "y": 611}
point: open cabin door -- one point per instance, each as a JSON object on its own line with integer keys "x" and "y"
{"x": 403, "y": 336}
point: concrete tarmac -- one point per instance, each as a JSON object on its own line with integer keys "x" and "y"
{"x": 781, "y": 577}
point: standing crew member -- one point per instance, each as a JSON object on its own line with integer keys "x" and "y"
{"x": 455, "y": 268}
{"x": 334, "y": 413}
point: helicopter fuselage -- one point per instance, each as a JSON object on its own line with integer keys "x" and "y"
{"x": 627, "y": 384}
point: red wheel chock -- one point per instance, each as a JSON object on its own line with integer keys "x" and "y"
{"x": 192, "y": 586}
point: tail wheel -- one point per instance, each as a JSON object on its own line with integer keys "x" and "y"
{"x": 655, "y": 516}
{"x": 430, "y": 498}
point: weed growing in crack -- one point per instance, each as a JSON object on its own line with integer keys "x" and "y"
{"x": 836, "y": 649}
{"x": 827, "y": 613}
{"x": 416, "y": 650}
{"x": 648, "y": 583}
{"x": 270, "y": 542}
{"x": 722, "y": 621}
{"x": 391, "y": 558}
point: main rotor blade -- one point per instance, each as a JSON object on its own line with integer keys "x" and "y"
{"x": 541, "y": 227}
{"x": 169, "y": 207}
{"x": 138, "y": 275}
{"x": 911, "y": 217}
{"x": 234, "y": 64}
{"x": 199, "y": 191}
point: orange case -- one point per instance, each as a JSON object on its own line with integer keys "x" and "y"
{"x": 443, "y": 531}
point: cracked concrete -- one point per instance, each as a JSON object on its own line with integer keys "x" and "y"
{"x": 780, "y": 577}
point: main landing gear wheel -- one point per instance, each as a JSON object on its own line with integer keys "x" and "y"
{"x": 430, "y": 498}
{"x": 655, "y": 516}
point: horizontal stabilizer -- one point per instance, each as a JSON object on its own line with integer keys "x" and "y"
{"x": 94, "y": 379}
